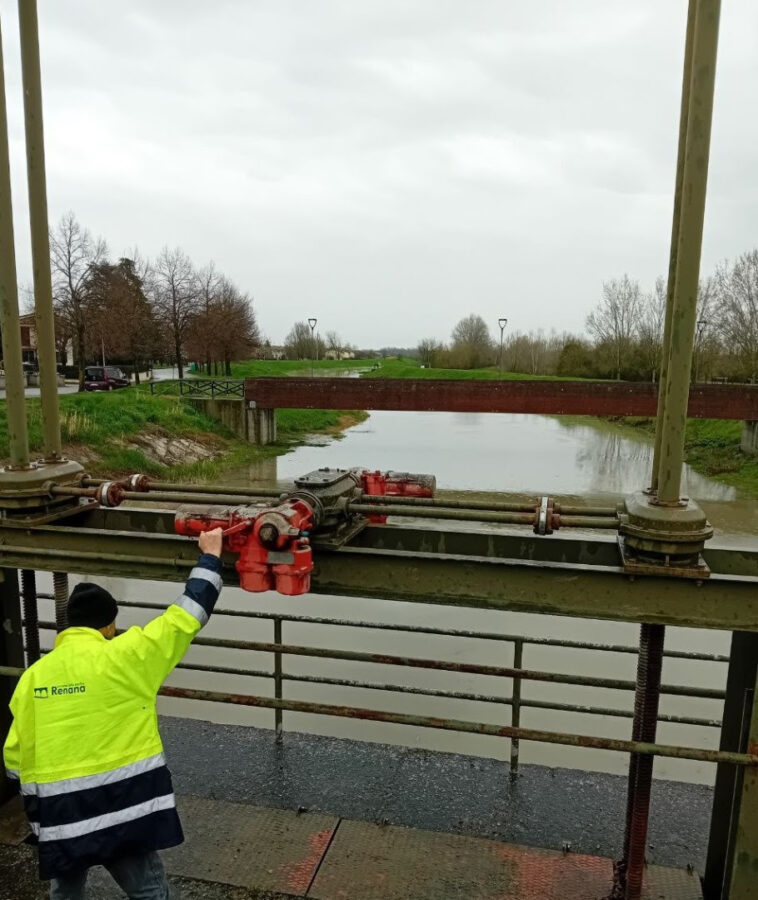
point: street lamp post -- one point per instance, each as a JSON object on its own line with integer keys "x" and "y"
{"x": 314, "y": 345}
{"x": 701, "y": 326}
{"x": 502, "y": 323}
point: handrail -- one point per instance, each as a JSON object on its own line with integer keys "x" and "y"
{"x": 516, "y": 673}
{"x": 199, "y": 387}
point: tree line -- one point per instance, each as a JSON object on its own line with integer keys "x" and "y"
{"x": 135, "y": 310}
{"x": 302, "y": 342}
{"x": 624, "y": 337}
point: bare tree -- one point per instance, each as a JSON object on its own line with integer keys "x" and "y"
{"x": 650, "y": 327}
{"x": 735, "y": 301}
{"x": 300, "y": 343}
{"x": 471, "y": 344}
{"x": 206, "y": 323}
{"x": 534, "y": 353}
{"x": 241, "y": 336}
{"x": 333, "y": 341}
{"x": 72, "y": 251}
{"x": 175, "y": 296}
{"x": 430, "y": 352}
{"x": 615, "y": 320}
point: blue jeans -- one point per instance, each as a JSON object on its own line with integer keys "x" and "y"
{"x": 140, "y": 877}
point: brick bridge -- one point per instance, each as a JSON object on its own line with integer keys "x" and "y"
{"x": 577, "y": 398}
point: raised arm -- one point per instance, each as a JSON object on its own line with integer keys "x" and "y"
{"x": 161, "y": 644}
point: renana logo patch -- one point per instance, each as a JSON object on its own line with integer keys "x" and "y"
{"x": 59, "y": 690}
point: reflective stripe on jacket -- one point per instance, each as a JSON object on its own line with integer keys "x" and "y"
{"x": 84, "y": 741}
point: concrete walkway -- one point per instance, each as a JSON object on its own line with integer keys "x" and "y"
{"x": 447, "y": 792}
{"x": 287, "y": 854}
{"x": 330, "y": 819}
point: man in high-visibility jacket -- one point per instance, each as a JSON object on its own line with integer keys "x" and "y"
{"x": 84, "y": 742}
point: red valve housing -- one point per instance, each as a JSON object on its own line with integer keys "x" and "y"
{"x": 272, "y": 543}
{"x": 396, "y": 484}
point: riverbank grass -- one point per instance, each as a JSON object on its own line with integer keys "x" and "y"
{"x": 712, "y": 447}
{"x": 393, "y": 367}
{"x": 411, "y": 368}
{"x": 127, "y": 431}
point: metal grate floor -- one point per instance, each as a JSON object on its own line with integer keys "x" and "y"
{"x": 324, "y": 858}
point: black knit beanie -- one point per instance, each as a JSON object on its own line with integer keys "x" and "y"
{"x": 91, "y": 606}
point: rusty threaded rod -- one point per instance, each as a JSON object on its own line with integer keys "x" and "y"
{"x": 646, "y": 701}
{"x": 60, "y": 592}
{"x": 31, "y": 616}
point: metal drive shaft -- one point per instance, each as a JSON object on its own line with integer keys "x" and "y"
{"x": 630, "y": 870}
{"x": 31, "y": 614}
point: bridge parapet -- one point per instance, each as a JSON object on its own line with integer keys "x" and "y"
{"x": 583, "y": 398}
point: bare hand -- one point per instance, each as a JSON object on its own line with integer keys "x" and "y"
{"x": 210, "y": 542}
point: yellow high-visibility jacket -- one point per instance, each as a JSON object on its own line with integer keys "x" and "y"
{"x": 84, "y": 741}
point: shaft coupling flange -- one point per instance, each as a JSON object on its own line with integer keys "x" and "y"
{"x": 667, "y": 535}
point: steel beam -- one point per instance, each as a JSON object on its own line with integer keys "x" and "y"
{"x": 744, "y": 881}
{"x": 9, "y": 322}
{"x": 35, "y": 164}
{"x": 485, "y": 568}
{"x": 671, "y": 283}
{"x": 743, "y": 670}
{"x": 690, "y": 238}
{"x": 582, "y": 398}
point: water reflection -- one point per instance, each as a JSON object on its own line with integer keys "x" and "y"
{"x": 499, "y": 452}
{"x": 615, "y": 463}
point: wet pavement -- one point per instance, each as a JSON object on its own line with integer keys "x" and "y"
{"x": 317, "y": 813}
{"x": 445, "y": 792}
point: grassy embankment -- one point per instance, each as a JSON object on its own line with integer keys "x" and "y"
{"x": 378, "y": 368}
{"x": 133, "y": 431}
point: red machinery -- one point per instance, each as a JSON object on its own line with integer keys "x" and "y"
{"x": 396, "y": 484}
{"x": 273, "y": 542}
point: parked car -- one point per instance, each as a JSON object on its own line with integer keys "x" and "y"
{"x": 108, "y": 378}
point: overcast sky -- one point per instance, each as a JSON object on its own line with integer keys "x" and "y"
{"x": 388, "y": 165}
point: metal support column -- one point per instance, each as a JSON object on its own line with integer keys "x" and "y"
{"x": 518, "y": 663}
{"x": 43, "y": 291}
{"x": 743, "y": 670}
{"x": 684, "y": 315}
{"x": 683, "y": 118}
{"x": 11, "y": 654}
{"x": 278, "y": 724}
{"x": 744, "y": 881}
{"x": 9, "y": 323}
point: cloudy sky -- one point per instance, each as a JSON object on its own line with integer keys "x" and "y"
{"x": 388, "y": 165}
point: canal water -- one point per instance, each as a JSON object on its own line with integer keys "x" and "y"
{"x": 511, "y": 453}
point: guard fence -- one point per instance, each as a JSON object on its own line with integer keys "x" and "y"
{"x": 199, "y": 387}
{"x": 518, "y": 675}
